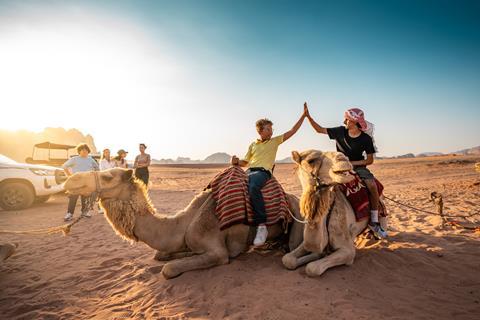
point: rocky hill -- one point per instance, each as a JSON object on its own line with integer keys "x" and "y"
{"x": 18, "y": 145}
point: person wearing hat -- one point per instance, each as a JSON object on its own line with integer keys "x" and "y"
{"x": 142, "y": 161}
{"x": 81, "y": 163}
{"x": 120, "y": 161}
{"x": 353, "y": 140}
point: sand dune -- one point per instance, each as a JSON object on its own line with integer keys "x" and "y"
{"x": 421, "y": 272}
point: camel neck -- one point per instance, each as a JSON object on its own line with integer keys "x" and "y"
{"x": 165, "y": 234}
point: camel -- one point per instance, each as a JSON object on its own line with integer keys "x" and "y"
{"x": 331, "y": 225}
{"x": 189, "y": 240}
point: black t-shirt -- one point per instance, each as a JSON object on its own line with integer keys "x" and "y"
{"x": 353, "y": 148}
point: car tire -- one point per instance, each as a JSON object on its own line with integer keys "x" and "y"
{"x": 42, "y": 199}
{"x": 16, "y": 196}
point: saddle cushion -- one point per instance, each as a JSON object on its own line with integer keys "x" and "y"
{"x": 230, "y": 191}
{"x": 357, "y": 194}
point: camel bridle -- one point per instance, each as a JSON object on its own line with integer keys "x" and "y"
{"x": 318, "y": 186}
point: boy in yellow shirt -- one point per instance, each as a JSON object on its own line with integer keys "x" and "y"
{"x": 260, "y": 159}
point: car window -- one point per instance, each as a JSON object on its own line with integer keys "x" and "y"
{"x": 6, "y": 160}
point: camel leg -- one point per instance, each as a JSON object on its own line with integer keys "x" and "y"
{"x": 163, "y": 256}
{"x": 299, "y": 257}
{"x": 344, "y": 255}
{"x": 199, "y": 261}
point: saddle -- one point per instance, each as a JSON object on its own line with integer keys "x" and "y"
{"x": 230, "y": 191}
{"x": 357, "y": 194}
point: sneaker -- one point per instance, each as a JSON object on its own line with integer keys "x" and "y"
{"x": 261, "y": 236}
{"x": 377, "y": 230}
{"x": 68, "y": 216}
{"x": 87, "y": 214}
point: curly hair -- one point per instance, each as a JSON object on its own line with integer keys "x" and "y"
{"x": 260, "y": 124}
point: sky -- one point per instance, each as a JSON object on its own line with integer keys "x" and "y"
{"x": 190, "y": 78}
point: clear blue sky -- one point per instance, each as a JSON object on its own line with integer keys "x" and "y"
{"x": 191, "y": 77}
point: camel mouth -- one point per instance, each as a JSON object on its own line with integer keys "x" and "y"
{"x": 342, "y": 172}
{"x": 343, "y": 175}
{"x": 74, "y": 191}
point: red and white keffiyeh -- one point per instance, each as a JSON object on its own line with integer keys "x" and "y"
{"x": 357, "y": 115}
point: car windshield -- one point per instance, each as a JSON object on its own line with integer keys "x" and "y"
{"x": 6, "y": 160}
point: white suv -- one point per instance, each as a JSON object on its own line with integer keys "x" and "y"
{"x": 23, "y": 184}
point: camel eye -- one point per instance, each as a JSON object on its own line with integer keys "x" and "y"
{"x": 311, "y": 161}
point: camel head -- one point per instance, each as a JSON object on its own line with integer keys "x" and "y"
{"x": 318, "y": 173}
{"x": 329, "y": 168}
{"x": 113, "y": 183}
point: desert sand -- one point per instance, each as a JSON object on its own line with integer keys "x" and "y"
{"x": 421, "y": 272}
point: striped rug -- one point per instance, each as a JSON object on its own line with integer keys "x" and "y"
{"x": 230, "y": 191}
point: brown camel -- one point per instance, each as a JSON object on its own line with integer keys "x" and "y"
{"x": 331, "y": 225}
{"x": 191, "y": 239}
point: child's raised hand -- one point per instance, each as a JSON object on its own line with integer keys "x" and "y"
{"x": 234, "y": 160}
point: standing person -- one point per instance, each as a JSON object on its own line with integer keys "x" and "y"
{"x": 353, "y": 140}
{"x": 106, "y": 162}
{"x": 260, "y": 159}
{"x": 81, "y": 163}
{"x": 120, "y": 161}
{"x": 141, "y": 164}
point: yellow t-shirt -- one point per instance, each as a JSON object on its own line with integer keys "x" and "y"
{"x": 262, "y": 154}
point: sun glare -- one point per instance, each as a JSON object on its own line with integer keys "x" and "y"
{"x": 70, "y": 72}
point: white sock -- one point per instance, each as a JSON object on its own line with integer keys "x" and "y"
{"x": 374, "y": 216}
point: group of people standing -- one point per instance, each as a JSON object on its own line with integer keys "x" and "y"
{"x": 84, "y": 162}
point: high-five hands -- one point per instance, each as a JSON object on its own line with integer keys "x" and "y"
{"x": 306, "y": 113}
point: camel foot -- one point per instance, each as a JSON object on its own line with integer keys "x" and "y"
{"x": 169, "y": 272}
{"x": 290, "y": 262}
{"x": 313, "y": 271}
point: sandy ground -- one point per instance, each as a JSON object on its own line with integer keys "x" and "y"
{"x": 421, "y": 272}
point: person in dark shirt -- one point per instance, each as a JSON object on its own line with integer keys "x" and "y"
{"x": 353, "y": 141}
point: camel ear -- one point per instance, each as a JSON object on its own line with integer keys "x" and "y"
{"x": 296, "y": 157}
{"x": 127, "y": 175}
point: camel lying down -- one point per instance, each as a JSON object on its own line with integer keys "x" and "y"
{"x": 332, "y": 227}
{"x": 191, "y": 239}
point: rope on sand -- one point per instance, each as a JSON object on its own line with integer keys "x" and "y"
{"x": 431, "y": 212}
{"x": 64, "y": 229}
{"x": 437, "y": 199}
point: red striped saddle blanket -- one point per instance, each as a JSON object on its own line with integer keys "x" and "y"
{"x": 357, "y": 194}
{"x": 230, "y": 191}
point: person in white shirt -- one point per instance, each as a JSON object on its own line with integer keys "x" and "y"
{"x": 106, "y": 161}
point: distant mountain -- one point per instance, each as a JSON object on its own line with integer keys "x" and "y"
{"x": 428, "y": 154}
{"x": 404, "y": 156}
{"x": 473, "y": 151}
{"x": 219, "y": 157}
